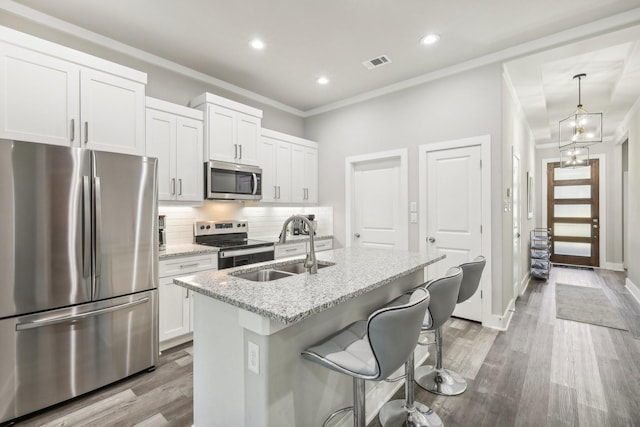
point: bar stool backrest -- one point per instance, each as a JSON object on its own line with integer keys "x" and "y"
{"x": 444, "y": 297}
{"x": 471, "y": 274}
{"x": 393, "y": 332}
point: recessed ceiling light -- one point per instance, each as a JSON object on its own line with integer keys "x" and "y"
{"x": 322, "y": 80}
{"x": 430, "y": 39}
{"x": 257, "y": 44}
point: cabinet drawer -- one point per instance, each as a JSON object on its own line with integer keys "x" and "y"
{"x": 188, "y": 265}
{"x": 323, "y": 245}
{"x": 290, "y": 249}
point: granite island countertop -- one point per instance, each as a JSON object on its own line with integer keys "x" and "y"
{"x": 292, "y": 299}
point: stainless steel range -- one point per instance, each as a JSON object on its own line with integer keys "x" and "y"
{"x": 232, "y": 237}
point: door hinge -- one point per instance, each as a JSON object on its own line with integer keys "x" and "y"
{"x": 481, "y": 294}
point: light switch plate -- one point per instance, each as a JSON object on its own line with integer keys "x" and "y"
{"x": 253, "y": 357}
{"x": 413, "y": 217}
{"x": 413, "y": 207}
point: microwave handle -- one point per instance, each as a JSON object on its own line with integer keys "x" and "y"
{"x": 255, "y": 184}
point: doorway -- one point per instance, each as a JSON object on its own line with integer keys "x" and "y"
{"x": 377, "y": 200}
{"x": 516, "y": 224}
{"x": 573, "y": 213}
{"x": 455, "y": 212}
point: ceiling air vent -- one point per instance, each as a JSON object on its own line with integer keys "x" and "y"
{"x": 376, "y": 62}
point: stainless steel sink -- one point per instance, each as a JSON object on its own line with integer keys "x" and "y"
{"x": 298, "y": 267}
{"x": 270, "y": 273}
{"x": 266, "y": 275}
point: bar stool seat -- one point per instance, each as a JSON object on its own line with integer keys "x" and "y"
{"x": 372, "y": 349}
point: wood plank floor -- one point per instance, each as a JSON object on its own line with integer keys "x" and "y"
{"x": 542, "y": 372}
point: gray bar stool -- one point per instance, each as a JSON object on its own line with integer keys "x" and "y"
{"x": 443, "y": 292}
{"x": 372, "y": 349}
{"x": 437, "y": 379}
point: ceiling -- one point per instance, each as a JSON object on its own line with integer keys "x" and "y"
{"x": 309, "y": 38}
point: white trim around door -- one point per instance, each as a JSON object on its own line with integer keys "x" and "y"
{"x": 351, "y": 162}
{"x": 603, "y": 203}
{"x": 484, "y": 142}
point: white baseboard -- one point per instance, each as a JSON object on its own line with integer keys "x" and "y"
{"x": 633, "y": 289}
{"x": 501, "y": 323}
{"x": 381, "y": 391}
{"x": 524, "y": 284}
{"x": 617, "y": 266}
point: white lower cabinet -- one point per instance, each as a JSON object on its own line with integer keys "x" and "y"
{"x": 323, "y": 245}
{"x": 290, "y": 249}
{"x": 175, "y": 302}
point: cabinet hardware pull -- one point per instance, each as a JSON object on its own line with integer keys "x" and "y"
{"x": 291, "y": 250}
{"x": 275, "y": 192}
{"x": 180, "y": 186}
{"x": 73, "y": 129}
{"x": 240, "y": 145}
{"x": 187, "y": 296}
{"x": 173, "y": 186}
{"x": 194, "y": 264}
{"x": 86, "y": 132}
{"x": 235, "y": 151}
{"x": 278, "y": 191}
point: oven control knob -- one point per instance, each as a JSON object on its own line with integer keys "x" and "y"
{"x": 238, "y": 225}
{"x": 208, "y": 227}
{"x": 202, "y": 227}
{"x": 244, "y": 225}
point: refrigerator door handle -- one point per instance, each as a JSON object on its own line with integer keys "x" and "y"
{"x": 86, "y": 227}
{"x": 98, "y": 229}
{"x": 75, "y": 317}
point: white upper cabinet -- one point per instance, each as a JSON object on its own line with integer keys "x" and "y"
{"x": 175, "y": 137}
{"x": 112, "y": 113}
{"x": 289, "y": 168}
{"x": 56, "y": 95}
{"x": 232, "y": 130}
{"x": 304, "y": 176}
{"x": 274, "y": 156}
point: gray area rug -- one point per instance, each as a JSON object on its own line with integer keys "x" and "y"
{"x": 587, "y": 305}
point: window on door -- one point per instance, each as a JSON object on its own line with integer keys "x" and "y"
{"x": 573, "y": 213}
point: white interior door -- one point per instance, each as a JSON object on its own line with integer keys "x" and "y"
{"x": 454, "y": 207}
{"x": 516, "y": 224}
{"x": 377, "y": 205}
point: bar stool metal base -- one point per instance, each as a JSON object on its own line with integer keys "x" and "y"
{"x": 395, "y": 414}
{"x": 440, "y": 381}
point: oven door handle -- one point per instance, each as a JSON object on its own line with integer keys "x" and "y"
{"x": 248, "y": 251}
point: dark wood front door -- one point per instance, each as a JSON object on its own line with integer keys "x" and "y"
{"x": 573, "y": 198}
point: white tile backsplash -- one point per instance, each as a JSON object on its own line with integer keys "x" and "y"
{"x": 265, "y": 222}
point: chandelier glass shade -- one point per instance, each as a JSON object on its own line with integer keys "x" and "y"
{"x": 582, "y": 128}
{"x": 574, "y": 156}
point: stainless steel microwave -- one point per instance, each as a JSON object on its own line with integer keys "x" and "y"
{"x": 232, "y": 181}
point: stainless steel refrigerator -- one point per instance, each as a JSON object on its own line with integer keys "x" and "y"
{"x": 78, "y": 272}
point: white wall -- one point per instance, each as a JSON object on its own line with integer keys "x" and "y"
{"x": 459, "y": 106}
{"x": 633, "y": 273}
{"x": 162, "y": 84}
{"x": 518, "y": 140}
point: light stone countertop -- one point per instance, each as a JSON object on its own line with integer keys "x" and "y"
{"x": 176, "y": 251}
{"x": 291, "y": 299}
{"x": 294, "y": 239}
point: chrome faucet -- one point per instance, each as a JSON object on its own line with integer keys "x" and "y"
{"x": 310, "y": 263}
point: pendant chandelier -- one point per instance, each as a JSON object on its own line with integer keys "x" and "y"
{"x": 574, "y": 156}
{"x": 582, "y": 128}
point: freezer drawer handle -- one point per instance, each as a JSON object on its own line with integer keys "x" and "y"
{"x": 76, "y": 317}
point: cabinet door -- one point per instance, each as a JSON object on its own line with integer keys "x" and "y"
{"x": 112, "y": 113}
{"x": 221, "y": 134}
{"x": 189, "y": 164}
{"x": 161, "y": 143}
{"x": 39, "y": 97}
{"x": 267, "y": 161}
{"x": 248, "y": 128}
{"x": 297, "y": 174}
{"x": 174, "y": 310}
{"x": 311, "y": 175}
{"x": 283, "y": 171}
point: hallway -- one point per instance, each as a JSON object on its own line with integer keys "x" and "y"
{"x": 546, "y": 371}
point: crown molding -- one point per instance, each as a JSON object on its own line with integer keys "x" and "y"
{"x": 602, "y": 26}
{"x": 57, "y": 24}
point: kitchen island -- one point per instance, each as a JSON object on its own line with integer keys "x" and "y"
{"x": 248, "y": 336}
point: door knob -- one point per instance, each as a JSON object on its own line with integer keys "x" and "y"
{"x": 431, "y": 240}
{"x": 357, "y": 235}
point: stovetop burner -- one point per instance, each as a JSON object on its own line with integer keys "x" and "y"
{"x": 226, "y": 235}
